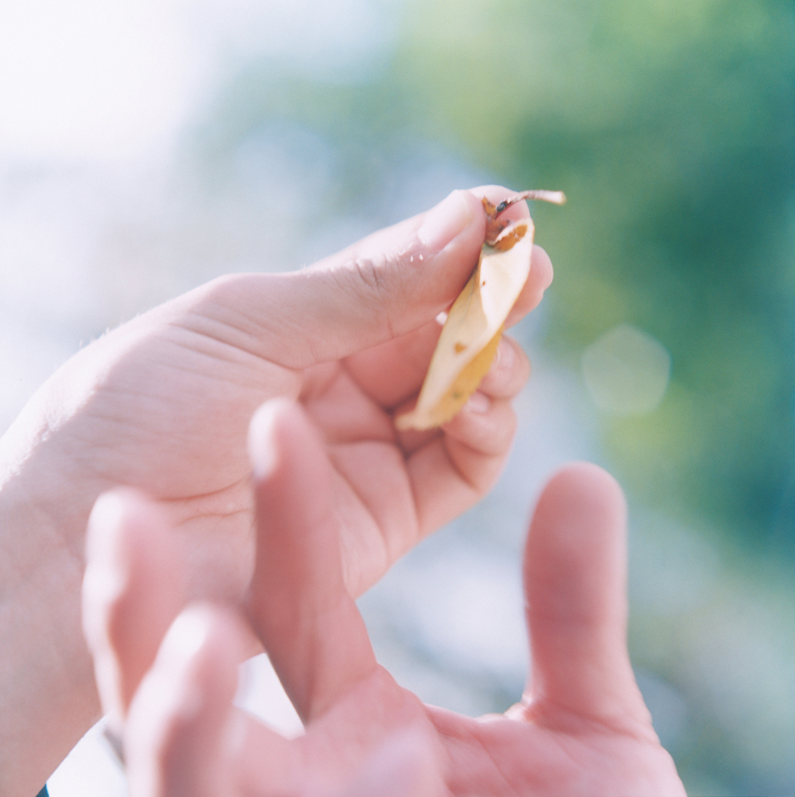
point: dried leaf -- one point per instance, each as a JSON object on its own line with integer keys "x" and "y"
{"x": 474, "y": 325}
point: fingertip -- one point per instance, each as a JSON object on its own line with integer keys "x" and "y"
{"x": 539, "y": 279}
{"x": 508, "y": 373}
{"x": 477, "y": 444}
{"x": 105, "y": 515}
{"x": 132, "y": 590}
{"x": 587, "y": 489}
{"x": 187, "y": 635}
{"x": 496, "y": 194}
{"x": 278, "y": 432}
{"x": 102, "y": 588}
{"x": 107, "y": 521}
{"x": 444, "y": 222}
{"x": 262, "y": 447}
{"x": 485, "y": 426}
{"x": 575, "y": 585}
{"x": 179, "y": 720}
{"x": 575, "y": 558}
{"x": 116, "y": 519}
{"x": 506, "y": 355}
{"x": 542, "y": 265}
{"x": 203, "y": 637}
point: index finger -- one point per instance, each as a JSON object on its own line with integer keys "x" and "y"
{"x": 309, "y": 624}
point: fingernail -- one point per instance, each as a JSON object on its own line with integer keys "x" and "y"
{"x": 105, "y": 517}
{"x": 506, "y": 356}
{"x": 478, "y": 402}
{"x": 185, "y": 637}
{"x": 443, "y": 222}
{"x": 261, "y": 445}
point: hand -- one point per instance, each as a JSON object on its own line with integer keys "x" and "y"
{"x": 581, "y": 728}
{"x": 163, "y": 404}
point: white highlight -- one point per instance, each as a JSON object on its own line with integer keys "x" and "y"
{"x": 626, "y": 371}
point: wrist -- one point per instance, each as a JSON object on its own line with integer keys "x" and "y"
{"x": 47, "y": 694}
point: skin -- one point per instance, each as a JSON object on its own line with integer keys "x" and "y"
{"x": 581, "y": 728}
{"x": 163, "y": 403}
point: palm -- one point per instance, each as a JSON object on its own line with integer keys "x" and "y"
{"x": 507, "y": 757}
{"x": 493, "y": 756}
{"x": 581, "y": 729}
{"x": 180, "y": 425}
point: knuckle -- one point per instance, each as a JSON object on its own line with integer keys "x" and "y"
{"x": 368, "y": 282}
{"x": 370, "y": 278}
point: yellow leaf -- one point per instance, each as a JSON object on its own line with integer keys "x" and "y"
{"x": 470, "y": 336}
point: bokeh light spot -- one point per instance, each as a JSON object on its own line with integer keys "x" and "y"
{"x": 626, "y": 371}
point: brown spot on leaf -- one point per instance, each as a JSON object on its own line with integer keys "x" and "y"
{"x": 510, "y": 236}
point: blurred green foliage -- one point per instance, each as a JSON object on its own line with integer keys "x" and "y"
{"x": 670, "y": 125}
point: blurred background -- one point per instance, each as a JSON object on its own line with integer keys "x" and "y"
{"x": 149, "y": 145}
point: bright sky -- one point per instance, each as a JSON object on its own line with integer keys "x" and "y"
{"x": 114, "y": 83}
{"x": 90, "y": 79}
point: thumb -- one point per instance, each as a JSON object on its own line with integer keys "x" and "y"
{"x": 575, "y": 583}
{"x": 386, "y": 285}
